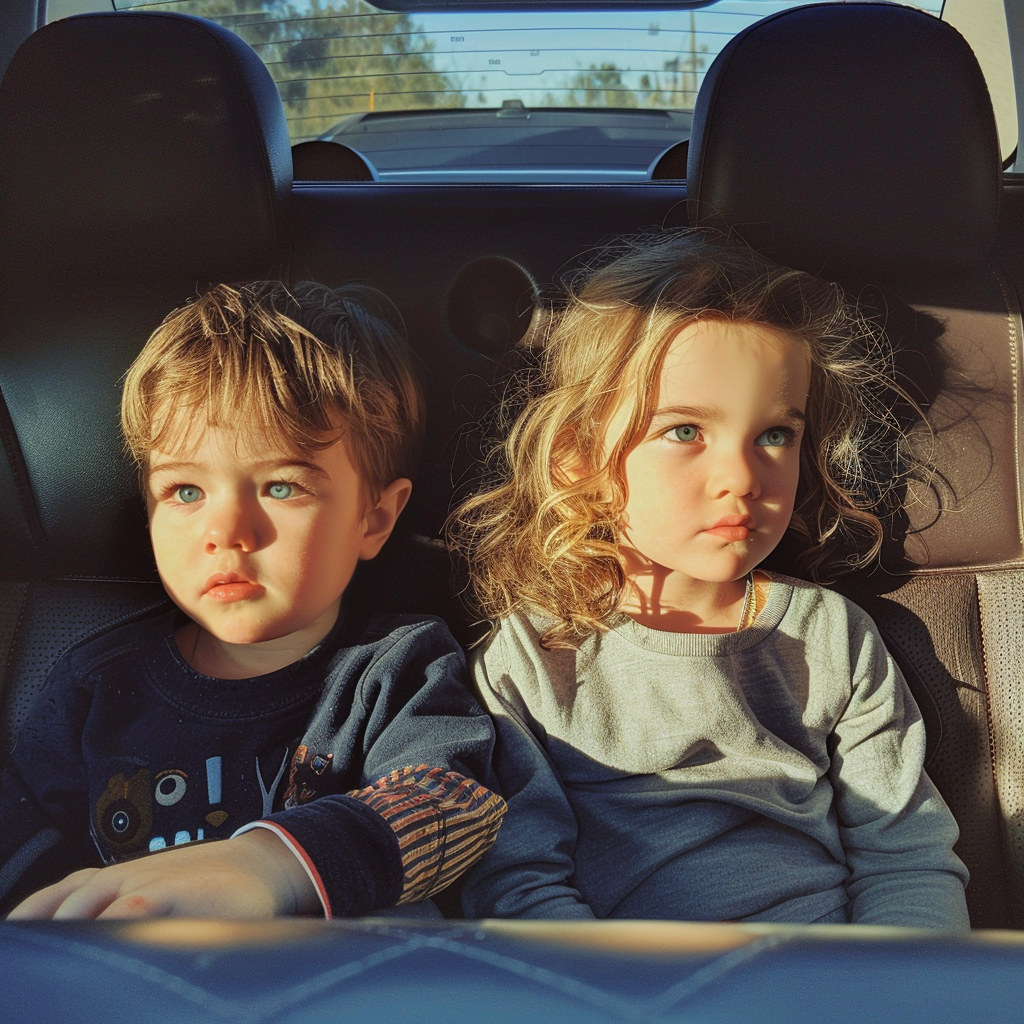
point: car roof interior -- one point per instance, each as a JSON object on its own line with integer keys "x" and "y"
{"x": 114, "y": 211}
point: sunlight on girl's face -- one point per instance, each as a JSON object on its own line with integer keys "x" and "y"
{"x": 713, "y": 480}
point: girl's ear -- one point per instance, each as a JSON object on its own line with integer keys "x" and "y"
{"x": 380, "y": 520}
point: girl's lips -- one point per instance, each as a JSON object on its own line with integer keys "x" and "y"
{"x": 730, "y": 533}
{"x": 239, "y": 590}
{"x": 731, "y": 528}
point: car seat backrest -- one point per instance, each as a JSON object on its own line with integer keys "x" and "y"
{"x": 145, "y": 155}
{"x": 857, "y": 141}
{"x": 141, "y": 146}
{"x": 849, "y": 139}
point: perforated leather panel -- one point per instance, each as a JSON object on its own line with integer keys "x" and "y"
{"x": 1001, "y": 601}
{"x": 12, "y": 607}
{"x": 930, "y": 624}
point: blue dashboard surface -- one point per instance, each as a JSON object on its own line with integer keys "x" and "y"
{"x": 373, "y": 970}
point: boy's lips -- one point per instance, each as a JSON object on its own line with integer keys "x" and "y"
{"x": 732, "y": 528}
{"x": 229, "y": 586}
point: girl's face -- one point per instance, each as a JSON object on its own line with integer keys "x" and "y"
{"x": 713, "y": 480}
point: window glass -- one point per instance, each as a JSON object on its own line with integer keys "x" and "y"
{"x": 456, "y": 96}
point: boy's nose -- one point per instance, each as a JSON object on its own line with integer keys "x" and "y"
{"x": 231, "y": 525}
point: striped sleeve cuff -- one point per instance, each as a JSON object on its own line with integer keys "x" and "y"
{"x": 444, "y": 823}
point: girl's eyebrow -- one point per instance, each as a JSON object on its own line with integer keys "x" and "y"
{"x": 698, "y": 412}
{"x": 705, "y": 414}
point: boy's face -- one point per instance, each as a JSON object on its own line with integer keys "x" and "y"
{"x": 713, "y": 481}
{"x": 256, "y": 542}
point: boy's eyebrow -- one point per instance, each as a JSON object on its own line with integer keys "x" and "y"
{"x": 184, "y": 465}
{"x": 170, "y": 466}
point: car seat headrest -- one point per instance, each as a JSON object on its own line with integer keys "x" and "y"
{"x": 840, "y": 138}
{"x": 141, "y": 145}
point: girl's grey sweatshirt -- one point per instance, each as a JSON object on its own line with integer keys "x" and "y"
{"x": 771, "y": 774}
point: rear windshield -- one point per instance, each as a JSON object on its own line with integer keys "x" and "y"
{"x": 492, "y": 96}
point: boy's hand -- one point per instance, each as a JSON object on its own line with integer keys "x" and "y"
{"x": 252, "y": 875}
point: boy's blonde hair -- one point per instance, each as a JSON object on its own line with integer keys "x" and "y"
{"x": 303, "y": 366}
{"x": 542, "y": 532}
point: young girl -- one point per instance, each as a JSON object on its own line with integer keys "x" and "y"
{"x": 682, "y": 734}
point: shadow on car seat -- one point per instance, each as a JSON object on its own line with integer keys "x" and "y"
{"x": 857, "y": 141}
{"x": 145, "y": 155}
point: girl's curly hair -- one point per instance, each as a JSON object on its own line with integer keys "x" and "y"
{"x": 538, "y": 537}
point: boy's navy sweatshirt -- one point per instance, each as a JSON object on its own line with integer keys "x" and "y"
{"x": 129, "y": 750}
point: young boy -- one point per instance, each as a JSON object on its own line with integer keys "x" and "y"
{"x": 275, "y": 431}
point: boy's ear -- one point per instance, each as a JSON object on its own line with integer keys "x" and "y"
{"x": 381, "y": 519}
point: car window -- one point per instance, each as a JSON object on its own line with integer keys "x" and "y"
{"x": 485, "y": 96}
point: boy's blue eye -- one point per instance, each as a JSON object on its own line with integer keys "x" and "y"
{"x": 687, "y": 432}
{"x": 280, "y": 491}
{"x": 188, "y": 494}
{"x": 776, "y": 437}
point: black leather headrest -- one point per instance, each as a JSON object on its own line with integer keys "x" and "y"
{"x": 141, "y": 145}
{"x": 846, "y": 138}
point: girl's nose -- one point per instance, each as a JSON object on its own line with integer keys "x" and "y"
{"x": 232, "y": 524}
{"x": 735, "y": 473}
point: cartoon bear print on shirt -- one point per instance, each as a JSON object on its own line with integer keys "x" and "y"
{"x": 124, "y": 812}
{"x": 144, "y": 811}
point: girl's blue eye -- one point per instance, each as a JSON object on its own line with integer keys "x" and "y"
{"x": 687, "y": 432}
{"x": 188, "y": 494}
{"x": 280, "y": 491}
{"x": 776, "y": 437}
